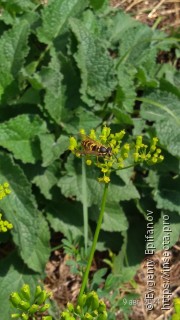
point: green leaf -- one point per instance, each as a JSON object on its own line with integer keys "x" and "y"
{"x": 166, "y": 231}
{"x": 17, "y": 6}
{"x": 51, "y": 149}
{"x": 14, "y": 273}
{"x": 65, "y": 216}
{"x": 46, "y": 179}
{"x": 13, "y": 50}
{"x": 30, "y": 232}
{"x": 55, "y": 16}
{"x": 97, "y": 4}
{"x": 126, "y": 94}
{"x": 81, "y": 118}
{"x": 121, "y": 191}
{"x": 135, "y": 46}
{"x": 145, "y": 80}
{"x": 114, "y": 218}
{"x": 95, "y": 64}
{"x": 166, "y": 191}
{"x": 52, "y": 82}
{"x": 163, "y": 109}
{"x": 20, "y": 136}
{"x": 121, "y": 22}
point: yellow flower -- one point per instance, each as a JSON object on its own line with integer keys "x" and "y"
{"x": 88, "y": 162}
{"x": 72, "y": 143}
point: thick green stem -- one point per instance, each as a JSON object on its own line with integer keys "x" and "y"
{"x": 98, "y": 228}
{"x": 85, "y": 206}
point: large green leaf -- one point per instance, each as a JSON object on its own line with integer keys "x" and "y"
{"x": 81, "y": 118}
{"x": 46, "y": 179}
{"x": 51, "y": 149}
{"x": 163, "y": 109}
{"x": 55, "y": 16}
{"x": 30, "y": 232}
{"x": 165, "y": 191}
{"x": 65, "y": 215}
{"x": 95, "y": 64}
{"x": 13, "y": 50}
{"x": 55, "y": 93}
{"x": 126, "y": 94}
{"x": 114, "y": 217}
{"x": 20, "y": 136}
{"x": 13, "y": 274}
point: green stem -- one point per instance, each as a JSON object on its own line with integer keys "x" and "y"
{"x": 99, "y": 222}
{"x": 85, "y": 206}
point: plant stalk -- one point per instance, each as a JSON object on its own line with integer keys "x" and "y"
{"x": 96, "y": 235}
{"x": 85, "y": 206}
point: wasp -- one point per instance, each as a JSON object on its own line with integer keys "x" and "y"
{"x": 93, "y": 147}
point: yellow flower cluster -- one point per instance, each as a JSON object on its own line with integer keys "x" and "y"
{"x": 151, "y": 156}
{"x": 4, "y": 224}
{"x": 4, "y": 190}
{"x": 116, "y": 153}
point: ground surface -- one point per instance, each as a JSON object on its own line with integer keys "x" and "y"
{"x": 165, "y": 14}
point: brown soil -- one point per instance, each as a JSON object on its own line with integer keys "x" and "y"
{"x": 65, "y": 286}
{"x": 165, "y": 14}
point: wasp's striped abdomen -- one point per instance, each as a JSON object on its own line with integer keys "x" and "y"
{"x": 92, "y": 147}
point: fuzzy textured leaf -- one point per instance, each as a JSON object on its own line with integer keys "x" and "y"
{"x": 30, "y": 232}
{"x": 163, "y": 109}
{"x": 19, "y": 135}
{"x": 95, "y": 64}
{"x": 55, "y": 16}
{"x": 166, "y": 191}
{"x": 66, "y": 217}
{"x": 13, "y": 50}
{"x": 52, "y": 82}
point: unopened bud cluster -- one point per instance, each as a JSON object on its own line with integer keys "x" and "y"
{"x": 88, "y": 308}
{"x": 120, "y": 154}
{"x": 30, "y": 306}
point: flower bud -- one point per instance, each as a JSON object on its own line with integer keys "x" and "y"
{"x": 25, "y": 292}
{"x": 82, "y": 300}
{"x": 44, "y": 308}
{"x": 70, "y": 306}
{"x": 24, "y": 316}
{"x": 38, "y": 291}
{"x": 88, "y": 316}
{"x": 15, "y": 315}
{"x": 92, "y": 301}
{"x": 41, "y": 297}
{"x": 15, "y": 299}
{"x": 24, "y": 305}
{"x": 34, "y": 308}
{"x": 102, "y": 316}
{"x": 78, "y": 309}
{"x": 102, "y": 306}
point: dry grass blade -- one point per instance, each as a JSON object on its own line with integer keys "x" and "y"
{"x": 149, "y": 11}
